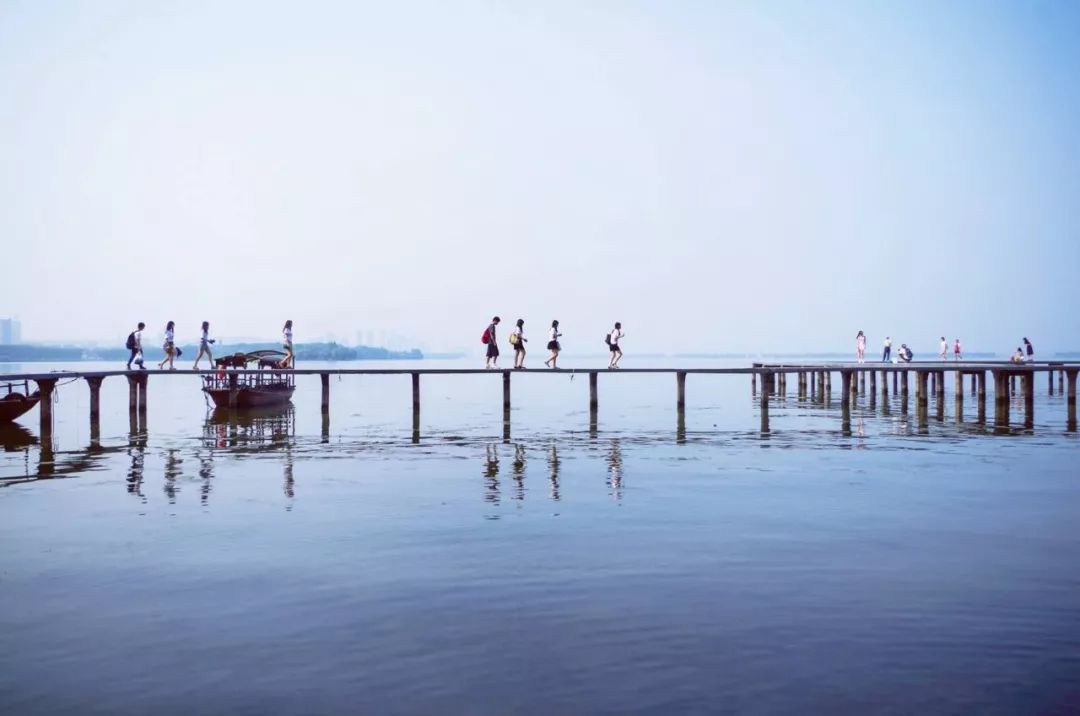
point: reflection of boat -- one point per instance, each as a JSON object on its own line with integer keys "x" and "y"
{"x": 253, "y": 428}
{"x": 14, "y": 437}
{"x": 267, "y": 388}
{"x": 14, "y": 403}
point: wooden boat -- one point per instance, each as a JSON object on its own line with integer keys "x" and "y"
{"x": 14, "y": 403}
{"x": 269, "y": 387}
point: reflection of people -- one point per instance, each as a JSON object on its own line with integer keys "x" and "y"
{"x": 172, "y": 471}
{"x": 615, "y": 475}
{"x": 553, "y": 466}
{"x": 519, "y": 471}
{"x": 491, "y": 472}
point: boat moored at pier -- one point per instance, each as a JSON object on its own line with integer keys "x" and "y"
{"x": 14, "y": 403}
{"x": 268, "y": 386}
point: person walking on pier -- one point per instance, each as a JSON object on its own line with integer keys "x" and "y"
{"x": 888, "y": 350}
{"x": 612, "y": 340}
{"x": 553, "y": 345}
{"x": 169, "y": 347}
{"x": 286, "y": 339}
{"x": 518, "y": 340}
{"x": 860, "y": 347}
{"x": 492, "y": 345}
{"x": 134, "y": 344}
{"x": 943, "y": 349}
{"x": 1030, "y": 350}
{"x": 204, "y": 346}
{"x": 957, "y": 351}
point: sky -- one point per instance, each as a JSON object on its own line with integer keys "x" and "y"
{"x": 719, "y": 177}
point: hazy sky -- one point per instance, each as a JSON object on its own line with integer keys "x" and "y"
{"x": 719, "y": 177}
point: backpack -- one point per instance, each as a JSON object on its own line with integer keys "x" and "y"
{"x": 486, "y": 338}
{"x": 130, "y": 345}
{"x": 607, "y": 339}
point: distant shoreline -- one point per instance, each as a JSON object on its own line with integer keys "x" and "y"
{"x": 304, "y": 351}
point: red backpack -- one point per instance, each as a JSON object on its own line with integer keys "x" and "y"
{"x": 486, "y": 338}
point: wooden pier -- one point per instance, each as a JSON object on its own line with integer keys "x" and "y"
{"x": 813, "y": 384}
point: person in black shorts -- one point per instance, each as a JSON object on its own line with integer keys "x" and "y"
{"x": 553, "y": 345}
{"x": 492, "y": 345}
{"x": 613, "y": 343}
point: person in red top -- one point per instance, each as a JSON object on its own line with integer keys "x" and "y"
{"x": 957, "y": 352}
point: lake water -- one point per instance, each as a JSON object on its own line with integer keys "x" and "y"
{"x": 277, "y": 564}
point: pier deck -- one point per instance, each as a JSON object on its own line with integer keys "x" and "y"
{"x": 813, "y": 380}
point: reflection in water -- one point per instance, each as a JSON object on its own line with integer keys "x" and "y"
{"x": 553, "y": 468}
{"x": 519, "y": 471}
{"x": 206, "y": 471}
{"x": 615, "y": 469}
{"x": 491, "y": 474}
{"x": 172, "y": 471}
{"x": 252, "y": 430}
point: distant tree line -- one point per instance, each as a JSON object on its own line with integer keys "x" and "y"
{"x": 25, "y": 353}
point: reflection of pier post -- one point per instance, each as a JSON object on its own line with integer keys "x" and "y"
{"x": 922, "y": 400}
{"x": 1029, "y": 399}
{"x": 143, "y": 379}
{"x": 847, "y": 399}
{"x": 903, "y": 391}
{"x": 95, "y": 408}
{"x": 593, "y": 398}
{"x": 959, "y": 397}
{"x": 763, "y": 401}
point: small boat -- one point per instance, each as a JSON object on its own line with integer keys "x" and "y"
{"x": 267, "y": 388}
{"x": 14, "y": 403}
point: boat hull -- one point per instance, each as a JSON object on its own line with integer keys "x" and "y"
{"x": 14, "y": 406}
{"x": 264, "y": 396}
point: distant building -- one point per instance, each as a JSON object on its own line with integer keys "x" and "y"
{"x": 10, "y": 332}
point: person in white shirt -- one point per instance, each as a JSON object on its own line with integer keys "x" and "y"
{"x": 553, "y": 345}
{"x": 518, "y": 340}
{"x": 943, "y": 349}
{"x": 134, "y": 344}
{"x": 169, "y": 347}
{"x": 286, "y": 337}
{"x": 888, "y": 350}
{"x": 613, "y": 344}
{"x": 204, "y": 346}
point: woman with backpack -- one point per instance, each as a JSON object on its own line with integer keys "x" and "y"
{"x": 169, "y": 347}
{"x": 204, "y": 346}
{"x": 518, "y": 340}
{"x": 553, "y": 345}
{"x": 492, "y": 347}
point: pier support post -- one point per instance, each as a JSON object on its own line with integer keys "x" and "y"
{"x": 133, "y": 392}
{"x": 862, "y": 382}
{"x": 680, "y": 398}
{"x": 324, "y": 379}
{"x": 1029, "y": 400}
{"x": 1001, "y": 399}
{"x": 753, "y": 384}
{"x": 95, "y": 407}
{"x": 895, "y": 380}
{"x": 922, "y": 399}
{"x": 45, "y": 387}
{"x": 234, "y": 390}
{"x": 884, "y": 387}
{"x": 851, "y": 387}
{"x": 940, "y": 385}
{"x": 763, "y": 402}
{"x": 415, "y": 408}
{"x": 1061, "y": 381}
{"x": 903, "y": 377}
{"x": 974, "y": 380}
{"x": 506, "y": 390}
{"x": 1070, "y": 397}
{"x": 144, "y": 380}
{"x": 848, "y": 398}
{"x": 1050, "y": 380}
{"x": 594, "y": 400}
{"x": 980, "y": 378}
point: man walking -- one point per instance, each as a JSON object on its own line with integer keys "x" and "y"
{"x": 888, "y": 350}
{"x": 613, "y": 344}
{"x": 134, "y": 344}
